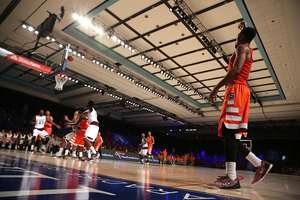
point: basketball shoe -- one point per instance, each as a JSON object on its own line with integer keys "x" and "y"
{"x": 224, "y": 182}
{"x": 261, "y": 172}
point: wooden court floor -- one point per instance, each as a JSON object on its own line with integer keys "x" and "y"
{"x": 26, "y": 176}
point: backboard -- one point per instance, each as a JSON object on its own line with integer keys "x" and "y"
{"x": 57, "y": 62}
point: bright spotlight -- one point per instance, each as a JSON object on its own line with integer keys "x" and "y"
{"x": 75, "y": 16}
{"x": 30, "y": 28}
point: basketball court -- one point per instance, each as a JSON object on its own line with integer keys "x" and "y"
{"x": 152, "y": 64}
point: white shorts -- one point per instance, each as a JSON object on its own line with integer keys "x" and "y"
{"x": 41, "y": 133}
{"x": 143, "y": 152}
{"x": 92, "y": 132}
{"x": 69, "y": 136}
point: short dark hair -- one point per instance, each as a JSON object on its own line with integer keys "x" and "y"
{"x": 79, "y": 111}
{"x": 249, "y": 33}
{"x": 91, "y": 103}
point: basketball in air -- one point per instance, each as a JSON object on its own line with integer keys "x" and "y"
{"x": 70, "y": 58}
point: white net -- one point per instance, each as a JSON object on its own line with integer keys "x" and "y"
{"x": 60, "y": 79}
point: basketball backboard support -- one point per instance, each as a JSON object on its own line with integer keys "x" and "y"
{"x": 57, "y": 62}
{"x": 247, "y": 144}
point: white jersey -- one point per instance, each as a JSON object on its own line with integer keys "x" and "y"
{"x": 144, "y": 146}
{"x": 92, "y": 116}
{"x": 40, "y": 121}
{"x": 8, "y": 136}
{"x": 22, "y": 137}
{"x": 2, "y": 135}
{"x": 16, "y": 135}
{"x": 29, "y": 137}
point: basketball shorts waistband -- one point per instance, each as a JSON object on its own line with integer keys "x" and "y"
{"x": 95, "y": 123}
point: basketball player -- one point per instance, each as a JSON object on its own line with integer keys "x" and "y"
{"x": 48, "y": 129}
{"x": 150, "y": 140}
{"x": 98, "y": 145}
{"x": 22, "y": 140}
{"x": 2, "y": 137}
{"x": 8, "y": 138}
{"x": 15, "y": 139}
{"x": 144, "y": 149}
{"x": 78, "y": 138}
{"x": 235, "y": 111}
{"x": 93, "y": 129}
{"x": 66, "y": 142}
{"x": 39, "y": 121}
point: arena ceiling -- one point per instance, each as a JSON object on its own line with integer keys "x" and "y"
{"x": 165, "y": 38}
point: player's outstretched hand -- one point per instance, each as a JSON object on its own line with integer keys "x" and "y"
{"x": 242, "y": 25}
{"x": 213, "y": 95}
{"x": 66, "y": 117}
{"x": 58, "y": 126}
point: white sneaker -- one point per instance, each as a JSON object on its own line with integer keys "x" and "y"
{"x": 42, "y": 151}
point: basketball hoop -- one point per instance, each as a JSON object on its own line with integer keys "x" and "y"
{"x": 60, "y": 79}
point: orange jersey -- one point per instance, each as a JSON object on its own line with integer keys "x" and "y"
{"x": 149, "y": 139}
{"x": 244, "y": 74}
{"x": 47, "y": 124}
{"x": 83, "y": 124}
{"x": 164, "y": 153}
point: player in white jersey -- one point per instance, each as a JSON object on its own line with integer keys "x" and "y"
{"x": 2, "y": 137}
{"x": 144, "y": 148}
{"x": 15, "y": 139}
{"x": 93, "y": 129}
{"x": 8, "y": 138}
{"x": 39, "y": 121}
{"x": 22, "y": 138}
{"x": 66, "y": 142}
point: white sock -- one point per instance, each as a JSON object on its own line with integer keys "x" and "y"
{"x": 60, "y": 150}
{"x": 74, "y": 154}
{"x": 89, "y": 153}
{"x": 231, "y": 170}
{"x": 80, "y": 154}
{"x": 254, "y": 159}
{"x": 66, "y": 152}
{"x": 43, "y": 147}
{"x": 93, "y": 150}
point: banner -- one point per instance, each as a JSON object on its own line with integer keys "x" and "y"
{"x": 28, "y": 63}
{"x": 122, "y": 155}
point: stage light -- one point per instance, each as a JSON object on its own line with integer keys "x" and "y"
{"x": 30, "y": 28}
{"x": 75, "y": 16}
{"x": 24, "y": 26}
{"x": 36, "y": 32}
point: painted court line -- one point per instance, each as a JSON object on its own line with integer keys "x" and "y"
{"x": 186, "y": 185}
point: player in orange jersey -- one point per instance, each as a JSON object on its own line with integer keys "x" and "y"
{"x": 98, "y": 145}
{"x": 235, "y": 111}
{"x": 150, "y": 141}
{"x": 78, "y": 138}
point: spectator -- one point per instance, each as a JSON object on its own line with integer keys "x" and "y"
{"x": 164, "y": 154}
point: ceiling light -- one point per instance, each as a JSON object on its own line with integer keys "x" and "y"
{"x": 108, "y": 36}
{"x": 36, "y": 32}
{"x": 78, "y": 55}
{"x": 114, "y": 38}
{"x": 60, "y": 45}
{"x": 53, "y": 39}
{"x": 48, "y": 38}
{"x": 82, "y": 56}
{"x": 74, "y": 53}
{"x": 75, "y": 16}
{"x": 126, "y": 45}
{"x": 132, "y": 51}
{"x": 122, "y": 43}
{"x": 97, "y": 62}
{"x": 24, "y": 26}
{"x": 129, "y": 48}
{"x": 30, "y": 28}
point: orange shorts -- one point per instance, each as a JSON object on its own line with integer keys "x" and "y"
{"x": 77, "y": 139}
{"x": 235, "y": 110}
{"x": 48, "y": 130}
{"x": 97, "y": 146}
{"x": 150, "y": 149}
